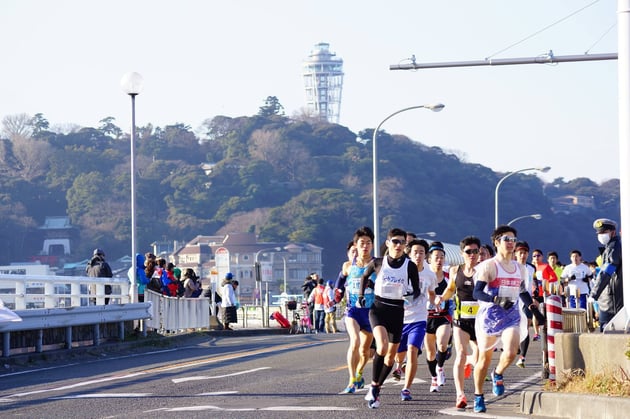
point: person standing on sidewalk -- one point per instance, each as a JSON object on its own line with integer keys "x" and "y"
{"x": 500, "y": 282}
{"x": 608, "y": 289}
{"x": 462, "y": 285}
{"x": 395, "y": 276}
{"x": 229, "y": 303}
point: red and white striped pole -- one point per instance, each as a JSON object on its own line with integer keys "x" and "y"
{"x": 553, "y": 304}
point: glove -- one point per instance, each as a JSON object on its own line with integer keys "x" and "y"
{"x": 237, "y": 305}
{"x": 361, "y": 301}
{"x": 503, "y": 302}
{"x": 572, "y": 277}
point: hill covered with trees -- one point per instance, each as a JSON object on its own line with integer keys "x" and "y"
{"x": 285, "y": 178}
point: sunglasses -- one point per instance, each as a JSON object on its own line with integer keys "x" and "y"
{"x": 396, "y": 242}
{"x": 471, "y": 251}
{"x": 508, "y": 239}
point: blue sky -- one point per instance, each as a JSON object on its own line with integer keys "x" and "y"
{"x": 200, "y": 59}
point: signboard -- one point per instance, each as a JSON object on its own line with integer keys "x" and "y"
{"x": 222, "y": 262}
{"x": 266, "y": 271}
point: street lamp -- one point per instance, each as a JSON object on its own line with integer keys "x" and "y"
{"x": 131, "y": 84}
{"x": 437, "y": 107}
{"x": 496, "y": 190}
{"x": 534, "y": 216}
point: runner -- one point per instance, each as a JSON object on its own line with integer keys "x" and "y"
{"x": 462, "y": 286}
{"x": 357, "y": 319}
{"x": 500, "y": 282}
{"x": 415, "y": 319}
{"x": 395, "y": 274}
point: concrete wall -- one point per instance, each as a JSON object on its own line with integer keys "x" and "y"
{"x": 591, "y": 352}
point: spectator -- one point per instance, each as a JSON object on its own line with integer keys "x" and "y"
{"x": 97, "y": 267}
{"x": 317, "y": 299}
{"x": 310, "y": 282}
{"x": 330, "y": 308}
{"x": 192, "y": 285}
{"x": 608, "y": 289}
{"x": 141, "y": 279}
{"x": 228, "y": 301}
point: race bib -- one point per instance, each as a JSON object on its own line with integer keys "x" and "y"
{"x": 468, "y": 309}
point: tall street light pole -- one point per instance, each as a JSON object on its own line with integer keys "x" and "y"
{"x": 496, "y": 190}
{"x": 435, "y": 108}
{"x": 131, "y": 84}
{"x": 534, "y": 216}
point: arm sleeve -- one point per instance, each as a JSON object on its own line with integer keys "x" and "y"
{"x": 480, "y": 295}
{"x": 341, "y": 281}
{"x": 412, "y": 272}
{"x": 365, "y": 278}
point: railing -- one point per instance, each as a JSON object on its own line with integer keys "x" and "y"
{"x": 51, "y": 318}
{"x": 19, "y": 292}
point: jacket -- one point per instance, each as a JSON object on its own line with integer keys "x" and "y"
{"x": 608, "y": 288}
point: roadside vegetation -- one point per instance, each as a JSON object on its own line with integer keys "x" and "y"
{"x": 613, "y": 382}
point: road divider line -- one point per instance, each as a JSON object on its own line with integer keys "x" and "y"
{"x": 205, "y": 377}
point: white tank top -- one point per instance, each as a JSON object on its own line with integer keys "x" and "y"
{"x": 391, "y": 282}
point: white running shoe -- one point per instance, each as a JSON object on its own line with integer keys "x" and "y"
{"x": 434, "y": 385}
{"x": 441, "y": 376}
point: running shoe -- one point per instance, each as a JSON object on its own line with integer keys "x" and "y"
{"x": 468, "y": 369}
{"x": 536, "y": 337}
{"x": 434, "y": 385}
{"x": 461, "y": 402}
{"x": 372, "y": 397}
{"x": 441, "y": 376}
{"x": 350, "y": 389}
{"x": 497, "y": 384}
{"x": 359, "y": 382}
{"x": 397, "y": 374}
{"x": 405, "y": 395}
{"x": 480, "y": 404}
{"x": 521, "y": 362}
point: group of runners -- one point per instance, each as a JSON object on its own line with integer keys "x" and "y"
{"x": 403, "y": 302}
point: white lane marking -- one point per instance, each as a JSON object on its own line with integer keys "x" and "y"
{"x": 205, "y": 377}
{"x": 81, "y": 384}
{"x": 218, "y": 393}
{"x": 251, "y": 409}
{"x": 37, "y": 370}
{"x": 103, "y": 396}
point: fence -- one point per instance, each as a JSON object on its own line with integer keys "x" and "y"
{"x": 172, "y": 314}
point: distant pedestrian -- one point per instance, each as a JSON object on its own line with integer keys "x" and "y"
{"x": 97, "y": 267}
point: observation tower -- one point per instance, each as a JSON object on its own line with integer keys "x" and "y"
{"x": 323, "y": 81}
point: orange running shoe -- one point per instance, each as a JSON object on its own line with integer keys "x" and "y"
{"x": 461, "y": 402}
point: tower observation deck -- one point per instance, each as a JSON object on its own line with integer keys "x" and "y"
{"x": 323, "y": 82}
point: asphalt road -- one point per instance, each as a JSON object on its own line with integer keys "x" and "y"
{"x": 236, "y": 375}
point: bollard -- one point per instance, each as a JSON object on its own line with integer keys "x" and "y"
{"x": 553, "y": 306}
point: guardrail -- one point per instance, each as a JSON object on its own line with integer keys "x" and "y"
{"x": 19, "y": 292}
{"x": 40, "y": 319}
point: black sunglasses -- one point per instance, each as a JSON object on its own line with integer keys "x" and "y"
{"x": 397, "y": 241}
{"x": 471, "y": 251}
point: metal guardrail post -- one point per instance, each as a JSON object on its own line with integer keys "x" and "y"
{"x": 6, "y": 344}
{"x": 39, "y": 344}
{"x": 96, "y": 331}
{"x": 68, "y": 344}
{"x": 121, "y": 331}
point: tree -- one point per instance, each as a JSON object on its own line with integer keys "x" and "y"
{"x": 110, "y": 129}
{"x": 16, "y": 126}
{"x": 272, "y": 107}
